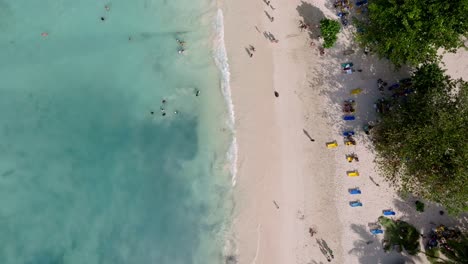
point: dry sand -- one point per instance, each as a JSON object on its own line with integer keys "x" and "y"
{"x": 286, "y": 183}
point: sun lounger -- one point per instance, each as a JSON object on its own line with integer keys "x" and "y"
{"x": 332, "y": 144}
{"x": 349, "y": 117}
{"x": 355, "y": 204}
{"x": 394, "y": 86}
{"x": 361, "y": 3}
{"x": 376, "y": 231}
{"x": 354, "y": 191}
{"x": 356, "y": 91}
{"x": 348, "y": 133}
{"x": 352, "y": 157}
{"x": 349, "y": 141}
{"x": 353, "y": 173}
{"x": 388, "y": 212}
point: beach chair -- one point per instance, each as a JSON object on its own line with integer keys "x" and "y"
{"x": 388, "y": 212}
{"x": 355, "y": 203}
{"x": 348, "y": 133}
{"x": 353, "y": 173}
{"x": 356, "y": 91}
{"x": 361, "y": 3}
{"x": 349, "y": 106}
{"x": 349, "y": 141}
{"x": 332, "y": 144}
{"x": 352, "y": 157}
{"x": 394, "y": 86}
{"x": 349, "y": 118}
{"x": 354, "y": 191}
{"x": 376, "y": 231}
{"x": 347, "y": 67}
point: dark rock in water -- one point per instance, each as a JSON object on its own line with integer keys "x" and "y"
{"x": 231, "y": 259}
{"x": 276, "y": 94}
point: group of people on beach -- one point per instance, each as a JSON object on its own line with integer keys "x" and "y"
{"x": 251, "y": 49}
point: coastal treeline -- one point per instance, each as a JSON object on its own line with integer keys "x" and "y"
{"x": 421, "y": 138}
{"x": 421, "y": 141}
{"x": 411, "y": 32}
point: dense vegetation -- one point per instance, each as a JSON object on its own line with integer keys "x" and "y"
{"x": 422, "y": 141}
{"x": 458, "y": 252}
{"x": 329, "y": 30}
{"x": 411, "y": 31}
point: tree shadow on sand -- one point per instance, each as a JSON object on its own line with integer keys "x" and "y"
{"x": 430, "y": 218}
{"x": 311, "y": 16}
{"x": 369, "y": 249}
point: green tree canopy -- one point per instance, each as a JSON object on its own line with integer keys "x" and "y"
{"x": 329, "y": 30}
{"x": 422, "y": 142}
{"x": 400, "y": 233}
{"x": 458, "y": 252}
{"x": 411, "y": 31}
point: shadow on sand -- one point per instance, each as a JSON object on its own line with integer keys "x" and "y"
{"x": 433, "y": 215}
{"x": 311, "y": 16}
{"x": 369, "y": 249}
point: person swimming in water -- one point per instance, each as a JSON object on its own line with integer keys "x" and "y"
{"x": 181, "y": 42}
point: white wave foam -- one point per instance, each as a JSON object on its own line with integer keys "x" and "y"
{"x": 221, "y": 60}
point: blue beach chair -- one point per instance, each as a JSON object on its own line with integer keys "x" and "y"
{"x": 388, "y": 212}
{"x": 355, "y": 204}
{"x": 349, "y": 117}
{"x": 394, "y": 86}
{"x": 348, "y": 133}
{"x": 376, "y": 231}
{"x": 361, "y": 3}
{"x": 354, "y": 191}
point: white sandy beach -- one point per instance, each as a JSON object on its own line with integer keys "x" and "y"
{"x": 286, "y": 183}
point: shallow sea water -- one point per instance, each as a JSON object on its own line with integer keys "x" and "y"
{"x": 87, "y": 173}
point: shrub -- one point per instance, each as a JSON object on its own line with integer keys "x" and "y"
{"x": 419, "y": 206}
{"x": 329, "y": 29}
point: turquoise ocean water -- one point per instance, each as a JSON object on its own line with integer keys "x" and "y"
{"x": 87, "y": 173}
